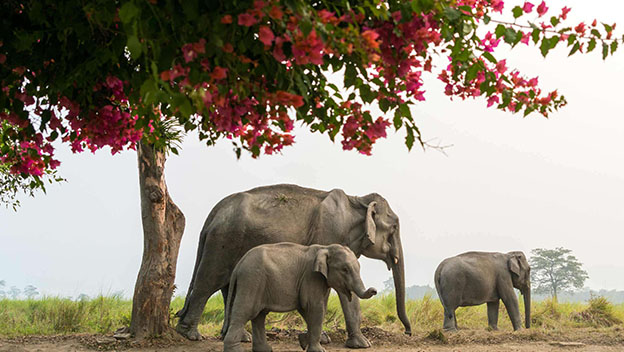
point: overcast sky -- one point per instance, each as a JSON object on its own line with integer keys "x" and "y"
{"x": 507, "y": 183}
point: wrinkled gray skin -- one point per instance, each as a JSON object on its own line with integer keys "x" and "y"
{"x": 474, "y": 278}
{"x": 283, "y": 277}
{"x": 289, "y": 213}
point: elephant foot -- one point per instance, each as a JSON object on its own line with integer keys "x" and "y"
{"x": 190, "y": 333}
{"x": 357, "y": 341}
{"x": 303, "y": 339}
{"x": 263, "y": 348}
{"x": 451, "y": 329}
{"x": 317, "y": 348}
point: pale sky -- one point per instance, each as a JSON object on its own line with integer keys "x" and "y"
{"x": 507, "y": 183}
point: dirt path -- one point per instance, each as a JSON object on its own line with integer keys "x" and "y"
{"x": 594, "y": 340}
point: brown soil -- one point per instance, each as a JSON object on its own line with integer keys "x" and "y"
{"x": 599, "y": 340}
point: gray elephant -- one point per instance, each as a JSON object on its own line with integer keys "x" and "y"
{"x": 474, "y": 278}
{"x": 286, "y": 276}
{"x": 289, "y": 213}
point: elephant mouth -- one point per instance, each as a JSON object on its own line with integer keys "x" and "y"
{"x": 391, "y": 260}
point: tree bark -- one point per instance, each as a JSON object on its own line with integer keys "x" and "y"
{"x": 163, "y": 226}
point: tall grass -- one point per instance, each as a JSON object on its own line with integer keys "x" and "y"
{"x": 53, "y": 315}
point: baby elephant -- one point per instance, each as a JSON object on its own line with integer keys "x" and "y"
{"x": 285, "y": 276}
{"x": 474, "y": 278}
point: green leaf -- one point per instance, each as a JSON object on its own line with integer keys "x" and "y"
{"x": 305, "y": 26}
{"x": 554, "y": 20}
{"x": 596, "y": 33}
{"x": 398, "y": 120}
{"x": 607, "y": 27}
{"x": 384, "y": 105}
{"x": 452, "y": 14}
{"x": 571, "y": 39}
{"x": 490, "y": 57}
{"x": 486, "y": 19}
{"x": 366, "y": 94}
{"x": 510, "y": 36}
{"x": 575, "y": 48}
{"x": 614, "y": 46}
{"x": 471, "y": 73}
{"x": 605, "y": 50}
{"x": 409, "y": 139}
{"x": 592, "y": 45}
{"x": 536, "y": 35}
{"x": 350, "y": 76}
{"x": 128, "y": 12}
{"x": 500, "y": 30}
{"x": 517, "y": 11}
{"x": 405, "y": 111}
{"x": 134, "y": 46}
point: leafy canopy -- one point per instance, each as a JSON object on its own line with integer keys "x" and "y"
{"x": 104, "y": 73}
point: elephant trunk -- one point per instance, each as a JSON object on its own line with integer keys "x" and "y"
{"x": 527, "y": 307}
{"x": 370, "y": 292}
{"x": 398, "y": 274}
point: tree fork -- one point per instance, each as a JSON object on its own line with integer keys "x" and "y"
{"x": 163, "y": 226}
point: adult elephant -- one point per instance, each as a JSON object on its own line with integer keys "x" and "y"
{"x": 289, "y": 213}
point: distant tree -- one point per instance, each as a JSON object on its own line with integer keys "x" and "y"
{"x": 389, "y": 285}
{"x": 555, "y": 270}
{"x": 14, "y": 292}
{"x": 82, "y": 297}
{"x": 2, "y": 284}
{"x": 30, "y": 291}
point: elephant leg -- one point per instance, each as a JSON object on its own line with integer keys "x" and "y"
{"x": 492, "y": 313}
{"x": 314, "y": 320}
{"x": 232, "y": 340}
{"x": 353, "y": 319}
{"x": 511, "y": 303}
{"x": 246, "y": 336}
{"x": 259, "y": 334}
{"x": 210, "y": 277}
{"x": 450, "y": 319}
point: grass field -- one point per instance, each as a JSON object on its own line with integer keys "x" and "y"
{"x": 52, "y": 316}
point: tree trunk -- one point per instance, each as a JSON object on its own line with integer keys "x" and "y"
{"x": 163, "y": 225}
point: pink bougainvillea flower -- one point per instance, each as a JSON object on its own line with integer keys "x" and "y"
{"x": 564, "y": 12}
{"x": 370, "y": 36}
{"x": 276, "y": 13}
{"x": 247, "y": 20}
{"x": 227, "y": 19}
{"x": 498, "y": 5}
{"x": 542, "y": 9}
{"x": 492, "y": 100}
{"x": 265, "y": 35}
{"x": 580, "y": 28}
{"x": 218, "y": 73}
{"x": 501, "y": 66}
{"x": 528, "y": 7}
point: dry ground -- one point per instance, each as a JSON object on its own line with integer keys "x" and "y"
{"x": 598, "y": 340}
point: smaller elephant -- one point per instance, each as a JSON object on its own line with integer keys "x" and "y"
{"x": 474, "y": 278}
{"x": 286, "y": 276}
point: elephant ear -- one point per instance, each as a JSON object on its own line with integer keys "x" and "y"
{"x": 320, "y": 262}
{"x": 514, "y": 265}
{"x": 370, "y": 229}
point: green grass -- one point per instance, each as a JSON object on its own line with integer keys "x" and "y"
{"x": 52, "y": 315}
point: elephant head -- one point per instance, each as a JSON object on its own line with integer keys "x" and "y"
{"x": 521, "y": 278}
{"x": 368, "y": 227}
{"x": 341, "y": 269}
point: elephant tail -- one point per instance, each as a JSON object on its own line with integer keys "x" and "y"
{"x": 437, "y": 281}
{"x": 200, "y": 250}
{"x": 230, "y": 302}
